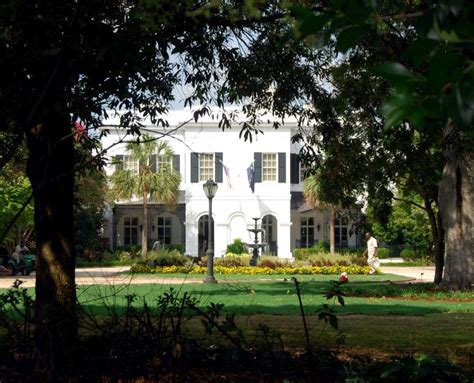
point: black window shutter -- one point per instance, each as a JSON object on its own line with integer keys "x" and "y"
{"x": 294, "y": 168}
{"x": 218, "y": 166}
{"x": 282, "y": 167}
{"x": 257, "y": 166}
{"x": 153, "y": 163}
{"x": 194, "y": 167}
{"x": 176, "y": 164}
{"x": 118, "y": 162}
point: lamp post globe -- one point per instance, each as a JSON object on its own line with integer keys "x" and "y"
{"x": 210, "y": 189}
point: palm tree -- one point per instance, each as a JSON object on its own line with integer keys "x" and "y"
{"x": 161, "y": 185}
{"x": 312, "y": 194}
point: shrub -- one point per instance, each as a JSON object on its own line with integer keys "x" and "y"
{"x": 273, "y": 262}
{"x": 351, "y": 250}
{"x": 231, "y": 260}
{"x": 237, "y": 247}
{"x": 135, "y": 249}
{"x": 250, "y": 270}
{"x": 165, "y": 257}
{"x": 321, "y": 246}
{"x": 303, "y": 253}
{"x": 324, "y": 259}
{"x": 383, "y": 253}
{"x": 411, "y": 254}
{"x": 176, "y": 246}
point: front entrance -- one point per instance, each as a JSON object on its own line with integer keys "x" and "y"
{"x": 270, "y": 234}
{"x": 203, "y": 234}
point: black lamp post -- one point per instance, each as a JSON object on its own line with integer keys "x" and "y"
{"x": 210, "y": 188}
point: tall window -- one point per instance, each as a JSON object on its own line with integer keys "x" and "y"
{"x": 269, "y": 167}
{"x": 130, "y": 231}
{"x": 307, "y": 231}
{"x": 206, "y": 167}
{"x": 129, "y": 163}
{"x": 164, "y": 162}
{"x": 341, "y": 230}
{"x": 267, "y": 226}
{"x": 164, "y": 230}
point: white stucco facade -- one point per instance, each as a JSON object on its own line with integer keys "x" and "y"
{"x": 235, "y": 204}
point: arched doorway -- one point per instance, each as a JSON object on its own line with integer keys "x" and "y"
{"x": 203, "y": 234}
{"x": 270, "y": 230}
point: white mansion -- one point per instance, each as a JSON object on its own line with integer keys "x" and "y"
{"x": 203, "y": 151}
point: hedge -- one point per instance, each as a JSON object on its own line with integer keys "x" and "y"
{"x": 249, "y": 270}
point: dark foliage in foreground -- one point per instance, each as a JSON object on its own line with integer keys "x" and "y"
{"x": 144, "y": 343}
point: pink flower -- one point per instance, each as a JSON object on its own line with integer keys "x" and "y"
{"x": 343, "y": 277}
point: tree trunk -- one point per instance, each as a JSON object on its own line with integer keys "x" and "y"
{"x": 456, "y": 202}
{"x": 332, "y": 236}
{"x": 145, "y": 225}
{"x": 437, "y": 233}
{"x": 50, "y": 169}
{"x": 439, "y": 251}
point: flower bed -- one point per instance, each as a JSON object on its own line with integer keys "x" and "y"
{"x": 248, "y": 270}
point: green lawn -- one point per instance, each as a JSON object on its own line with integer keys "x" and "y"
{"x": 382, "y": 316}
{"x": 366, "y": 295}
{"x": 414, "y": 319}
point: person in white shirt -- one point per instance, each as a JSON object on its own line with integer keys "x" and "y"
{"x": 157, "y": 245}
{"x": 371, "y": 253}
{"x": 20, "y": 250}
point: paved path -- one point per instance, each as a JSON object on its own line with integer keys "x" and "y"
{"x": 112, "y": 275}
{"x": 418, "y": 273}
{"x": 100, "y": 275}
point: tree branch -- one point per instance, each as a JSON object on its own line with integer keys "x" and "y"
{"x": 410, "y": 202}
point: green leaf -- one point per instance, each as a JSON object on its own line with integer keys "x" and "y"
{"x": 349, "y": 37}
{"x": 394, "y": 72}
{"x": 310, "y": 23}
{"x": 340, "y": 299}
{"x": 444, "y": 67}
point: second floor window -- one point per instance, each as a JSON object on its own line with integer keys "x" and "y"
{"x": 269, "y": 167}
{"x": 129, "y": 163}
{"x": 164, "y": 163}
{"x": 206, "y": 167}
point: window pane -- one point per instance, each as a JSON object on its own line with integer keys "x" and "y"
{"x": 206, "y": 167}
{"x": 164, "y": 229}
{"x": 307, "y": 232}
{"x": 164, "y": 163}
{"x": 269, "y": 167}
{"x": 130, "y": 230}
{"x": 130, "y": 164}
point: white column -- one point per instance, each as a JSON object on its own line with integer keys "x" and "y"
{"x": 284, "y": 240}
{"x": 191, "y": 238}
{"x": 220, "y": 239}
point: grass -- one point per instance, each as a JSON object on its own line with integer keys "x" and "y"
{"x": 278, "y": 297}
{"x": 366, "y": 334}
{"x": 380, "y": 319}
{"x": 382, "y": 316}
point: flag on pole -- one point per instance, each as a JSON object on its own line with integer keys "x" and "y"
{"x": 251, "y": 177}
{"x": 227, "y": 175}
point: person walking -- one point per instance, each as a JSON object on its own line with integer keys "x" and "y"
{"x": 371, "y": 253}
